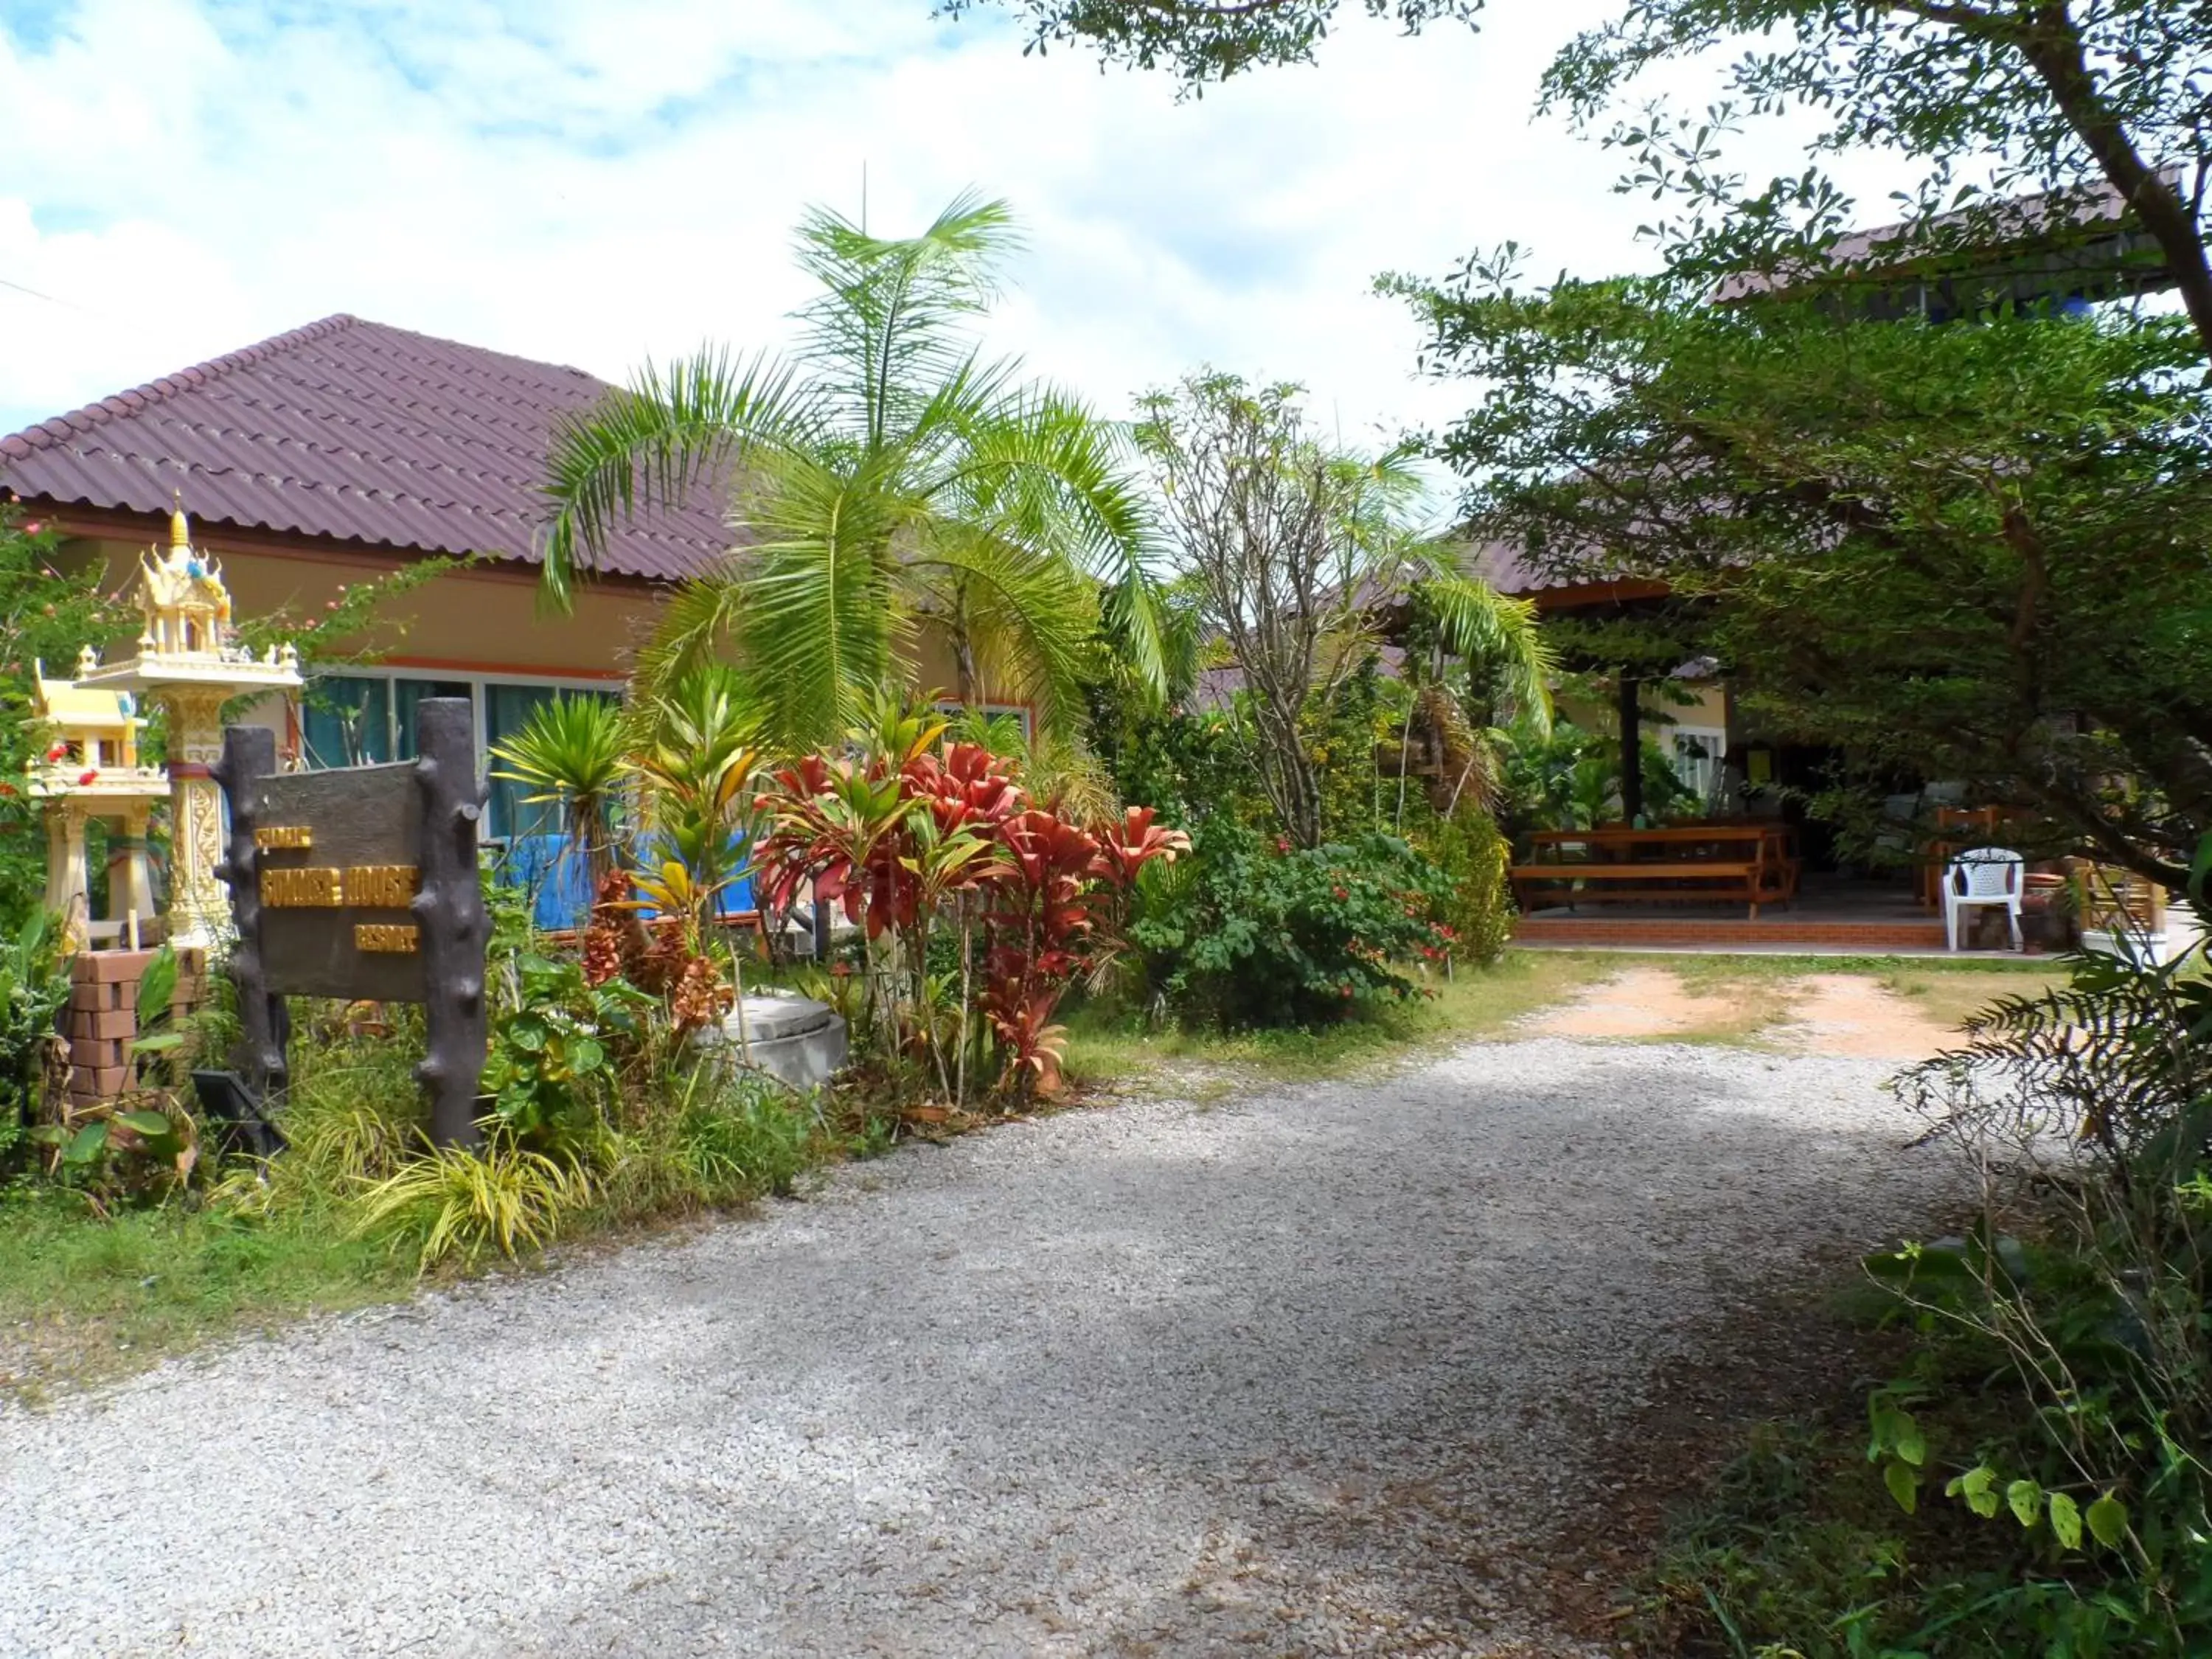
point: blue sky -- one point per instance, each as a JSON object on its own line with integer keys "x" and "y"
{"x": 592, "y": 183}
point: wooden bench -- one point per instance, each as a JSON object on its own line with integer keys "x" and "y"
{"x": 1744, "y": 863}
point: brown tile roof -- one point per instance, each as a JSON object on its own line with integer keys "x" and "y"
{"x": 349, "y": 429}
{"x": 2069, "y": 237}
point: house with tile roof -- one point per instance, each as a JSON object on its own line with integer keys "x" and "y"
{"x": 342, "y": 451}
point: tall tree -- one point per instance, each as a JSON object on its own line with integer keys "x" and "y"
{"x": 1979, "y": 551}
{"x": 1293, "y": 550}
{"x": 2058, "y": 95}
{"x": 884, "y": 480}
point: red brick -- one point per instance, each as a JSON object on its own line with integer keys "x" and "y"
{"x": 110, "y": 1023}
{"x": 100, "y": 1053}
{"x": 89, "y": 998}
{"x": 102, "y": 1083}
{"x": 110, "y": 967}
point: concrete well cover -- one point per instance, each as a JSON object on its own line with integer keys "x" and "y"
{"x": 797, "y": 1038}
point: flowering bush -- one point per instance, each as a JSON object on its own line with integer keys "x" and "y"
{"x": 1253, "y": 933}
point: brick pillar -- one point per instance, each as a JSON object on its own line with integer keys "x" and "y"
{"x": 103, "y": 1015}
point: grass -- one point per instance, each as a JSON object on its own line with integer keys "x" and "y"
{"x": 1950, "y": 998}
{"x": 353, "y": 1213}
{"x": 1109, "y": 1048}
{"x": 1795, "y": 1547}
{"x": 82, "y": 1298}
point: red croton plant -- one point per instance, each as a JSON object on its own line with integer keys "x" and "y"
{"x": 912, "y": 836}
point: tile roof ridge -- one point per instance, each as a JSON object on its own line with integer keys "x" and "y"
{"x": 469, "y": 348}
{"x": 60, "y": 427}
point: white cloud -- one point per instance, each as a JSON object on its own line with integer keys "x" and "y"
{"x": 594, "y": 183}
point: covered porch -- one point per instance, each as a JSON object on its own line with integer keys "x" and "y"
{"x": 1828, "y": 916}
{"x": 1703, "y": 843}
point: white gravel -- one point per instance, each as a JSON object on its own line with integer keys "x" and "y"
{"x": 1304, "y": 1372}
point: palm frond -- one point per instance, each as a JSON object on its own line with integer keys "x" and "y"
{"x": 819, "y": 614}
{"x": 887, "y": 327}
{"x": 646, "y": 446}
{"x": 1029, "y": 614}
{"x": 697, "y": 622}
{"x": 1479, "y": 622}
{"x": 1038, "y": 470}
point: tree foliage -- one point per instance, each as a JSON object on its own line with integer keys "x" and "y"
{"x": 1981, "y": 552}
{"x": 884, "y": 480}
{"x": 47, "y": 614}
{"x": 1204, "y": 40}
{"x": 1294, "y": 549}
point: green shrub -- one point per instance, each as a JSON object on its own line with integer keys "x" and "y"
{"x": 456, "y": 1203}
{"x": 1473, "y": 858}
{"x": 1246, "y": 932}
{"x": 556, "y": 1043}
{"x": 746, "y": 1136}
{"x": 34, "y": 988}
{"x": 45, "y": 615}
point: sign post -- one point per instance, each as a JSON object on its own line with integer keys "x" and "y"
{"x": 361, "y": 884}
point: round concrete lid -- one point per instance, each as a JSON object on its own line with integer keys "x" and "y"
{"x": 770, "y": 1020}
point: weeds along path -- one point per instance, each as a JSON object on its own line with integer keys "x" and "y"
{"x": 1318, "y": 1369}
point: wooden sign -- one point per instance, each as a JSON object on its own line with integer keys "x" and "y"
{"x": 339, "y": 867}
{"x": 360, "y": 883}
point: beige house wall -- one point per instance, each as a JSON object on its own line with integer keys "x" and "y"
{"x": 1706, "y": 708}
{"x": 480, "y": 620}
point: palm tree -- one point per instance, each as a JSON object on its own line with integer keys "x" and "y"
{"x": 571, "y": 753}
{"x": 885, "y": 480}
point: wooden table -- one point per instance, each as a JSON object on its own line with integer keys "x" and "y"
{"x": 1750, "y": 863}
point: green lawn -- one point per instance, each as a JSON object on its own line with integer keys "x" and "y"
{"x": 1115, "y": 1049}
{"x": 83, "y": 1297}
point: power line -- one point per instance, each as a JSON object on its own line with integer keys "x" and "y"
{"x": 35, "y": 294}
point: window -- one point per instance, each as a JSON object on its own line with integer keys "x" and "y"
{"x": 1011, "y": 717}
{"x": 363, "y": 717}
{"x": 346, "y": 720}
{"x": 1697, "y": 753}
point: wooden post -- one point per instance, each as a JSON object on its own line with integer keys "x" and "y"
{"x": 249, "y": 755}
{"x": 1631, "y": 750}
{"x": 449, "y": 912}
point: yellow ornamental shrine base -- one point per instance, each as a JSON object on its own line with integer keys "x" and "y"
{"x": 90, "y": 775}
{"x": 189, "y": 664}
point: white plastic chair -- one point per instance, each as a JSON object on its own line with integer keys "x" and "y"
{"x": 1983, "y": 875}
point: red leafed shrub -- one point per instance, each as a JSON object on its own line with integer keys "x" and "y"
{"x": 910, "y": 839}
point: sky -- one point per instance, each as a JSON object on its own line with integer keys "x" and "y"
{"x": 597, "y": 182}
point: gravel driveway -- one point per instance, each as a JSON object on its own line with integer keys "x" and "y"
{"x": 1316, "y": 1371}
